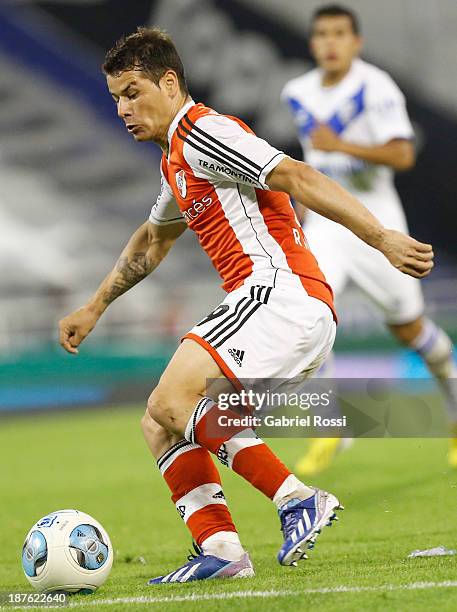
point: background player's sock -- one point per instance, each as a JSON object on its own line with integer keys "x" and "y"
{"x": 435, "y": 347}
{"x": 197, "y": 493}
{"x": 239, "y": 448}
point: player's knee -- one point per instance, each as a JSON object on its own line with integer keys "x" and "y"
{"x": 156, "y": 405}
{"x": 162, "y": 408}
{"x": 144, "y": 422}
{"x": 148, "y": 425}
{"x": 158, "y": 439}
{"x": 408, "y": 332}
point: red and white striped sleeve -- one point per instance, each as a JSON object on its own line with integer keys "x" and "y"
{"x": 217, "y": 148}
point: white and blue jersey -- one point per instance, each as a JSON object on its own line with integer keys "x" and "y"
{"x": 365, "y": 108}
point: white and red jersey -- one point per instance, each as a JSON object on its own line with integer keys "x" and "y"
{"x": 214, "y": 180}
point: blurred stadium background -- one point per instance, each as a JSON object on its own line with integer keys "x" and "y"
{"x": 74, "y": 186}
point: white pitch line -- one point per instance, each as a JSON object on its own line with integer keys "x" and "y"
{"x": 248, "y": 594}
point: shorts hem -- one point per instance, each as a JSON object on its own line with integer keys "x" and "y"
{"x": 217, "y": 358}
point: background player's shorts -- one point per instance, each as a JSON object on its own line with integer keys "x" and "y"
{"x": 263, "y": 332}
{"x": 342, "y": 256}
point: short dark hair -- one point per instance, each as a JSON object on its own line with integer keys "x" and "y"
{"x": 150, "y": 50}
{"x": 336, "y": 10}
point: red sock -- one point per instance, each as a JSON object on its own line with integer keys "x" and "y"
{"x": 236, "y": 446}
{"x": 196, "y": 490}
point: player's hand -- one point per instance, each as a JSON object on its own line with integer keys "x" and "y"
{"x": 407, "y": 254}
{"x": 325, "y": 139}
{"x": 75, "y": 327}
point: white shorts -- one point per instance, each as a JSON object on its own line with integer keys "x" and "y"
{"x": 261, "y": 332}
{"x": 342, "y": 256}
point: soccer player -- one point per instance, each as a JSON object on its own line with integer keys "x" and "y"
{"x": 353, "y": 126}
{"x": 277, "y": 320}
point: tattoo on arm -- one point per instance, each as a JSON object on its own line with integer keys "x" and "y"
{"x": 129, "y": 273}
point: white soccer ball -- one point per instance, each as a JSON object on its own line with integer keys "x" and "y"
{"x": 67, "y": 551}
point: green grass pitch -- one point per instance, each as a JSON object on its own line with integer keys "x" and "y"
{"x": 399, "y": 495}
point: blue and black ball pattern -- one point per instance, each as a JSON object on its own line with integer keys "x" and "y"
{"x": 34, "y": 553}
{"x": 91, "y": 551}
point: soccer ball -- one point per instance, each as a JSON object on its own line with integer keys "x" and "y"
{"x": 67, "y": 551}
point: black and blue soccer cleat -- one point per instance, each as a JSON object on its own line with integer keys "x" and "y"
{"x": 205, "y": 567}
{"x": 301, "y": 523}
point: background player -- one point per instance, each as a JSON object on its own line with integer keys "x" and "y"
{"x": 228, "y": 186}
{"x": 353, "y": 126}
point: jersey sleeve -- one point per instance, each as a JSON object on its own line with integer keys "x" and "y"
{"x": 165, "y": 210}
{"x": 217, "y": 148}
{"x": 304, "y": 120}
{"x": 387, "y": 114}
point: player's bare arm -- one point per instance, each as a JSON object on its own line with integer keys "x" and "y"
{"x": 143, "y": 253}
{"x": 398, "y": 153}
{"x": 325, "y": 197}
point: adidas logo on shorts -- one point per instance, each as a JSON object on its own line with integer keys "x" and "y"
{"x": 237, "y": 355}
